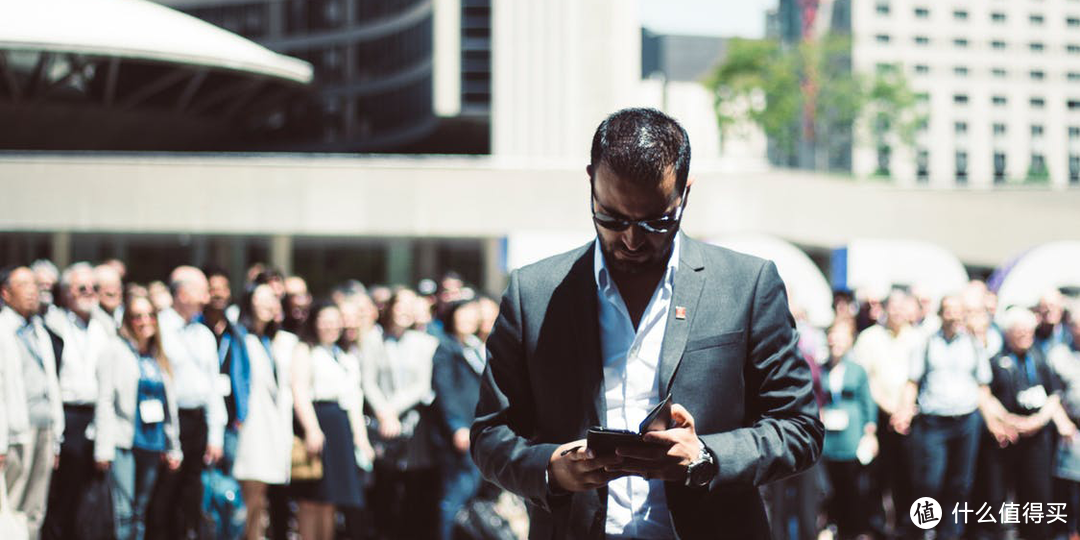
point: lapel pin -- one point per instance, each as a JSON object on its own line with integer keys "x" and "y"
{"x": 680, "y": 313}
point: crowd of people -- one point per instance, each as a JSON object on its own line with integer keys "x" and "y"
{"x": 944, "y": 399}
{"x": 349, "y": 416}
{"x": 200, "y": 417}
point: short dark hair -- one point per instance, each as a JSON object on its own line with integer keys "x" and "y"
{"x": 212, "y": 270}
{"x": 641, "y": 144}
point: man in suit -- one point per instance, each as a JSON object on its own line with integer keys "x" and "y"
{"x": 596, "y": 337}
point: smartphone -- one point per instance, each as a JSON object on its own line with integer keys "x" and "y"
{"x": 603, "y": 441}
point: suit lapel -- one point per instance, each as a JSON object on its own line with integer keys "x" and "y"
{"x": 587, "y": 336}
{"x": 689, "y": 282}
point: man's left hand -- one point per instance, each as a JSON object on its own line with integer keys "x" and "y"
{"x": 677, "y": 447}
{"x": 213, "y": 454}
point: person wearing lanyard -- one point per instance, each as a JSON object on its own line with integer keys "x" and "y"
{"x": 265, "y": 438}
{"x": 1018, "y": 457}
{"x": 31, "y": 411}
{"x": 850, "y": 431}
{"x": 176, "y": 505}
{"x": 80, "y": 370}
{"x": 135, "y": 416}
{"x": 327, "y": 400}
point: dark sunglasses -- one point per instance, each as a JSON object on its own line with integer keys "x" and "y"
{"x": 661, "y": 225}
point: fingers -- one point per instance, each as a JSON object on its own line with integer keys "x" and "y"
{"x": 670, "y": 436}
{"x": 656, "y": 452}
{"x": 680, "y": 417}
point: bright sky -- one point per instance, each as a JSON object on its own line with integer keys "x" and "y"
{"x": 726, "y": 18}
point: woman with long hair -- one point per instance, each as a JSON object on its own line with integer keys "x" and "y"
{"x": 327, "y": 402}
{"x": 135, "y": 418}
{"x": 265, "y": 439}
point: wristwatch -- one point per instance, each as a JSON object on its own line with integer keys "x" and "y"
{"x": 702, "y": 470}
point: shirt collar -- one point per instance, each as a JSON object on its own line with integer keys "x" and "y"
{"x": 603, "y": 277}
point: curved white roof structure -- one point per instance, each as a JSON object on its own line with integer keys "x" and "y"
{"x": 1055, "y": 265}
{"x": 137, "y": 29}
{"x": 806, "y": 286}
{"x": 876, "y": 264}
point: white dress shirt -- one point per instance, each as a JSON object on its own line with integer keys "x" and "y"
{"x": 636, "y": 507}
{"x": 29, "y": 390}
{"x": 84, "y": 344}
{"x": 192, "y": 351}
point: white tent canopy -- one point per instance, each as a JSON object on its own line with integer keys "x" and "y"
{"x": 1055, "y": 265}
{"x": 807, "y": 287}
{"x": 137, "y": 29}
{"x": 877, "y": 264}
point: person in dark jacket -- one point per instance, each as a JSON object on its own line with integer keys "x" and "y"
{"x": 458, "y": 363}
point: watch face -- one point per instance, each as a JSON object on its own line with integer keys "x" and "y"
{"x": 701, "y": 473}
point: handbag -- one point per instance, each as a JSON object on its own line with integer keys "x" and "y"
{"x": 304, "y": 466}
{"x": 12, "y": 523}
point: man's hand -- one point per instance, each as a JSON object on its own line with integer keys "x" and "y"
{"x": 56, "y": 461}
{"x": 102, "y": 466}
{"x": 901, "y": 420}
{"x": 389, "y": 426}
{"x": 461, "y": 440}
{"x": 573, "y": 467}
{"x": 212, "y": 455}
{"x": 1027, "y": 426}
{"x": 171, "y": 462}
{"x": 1004, "y": 433}
{"x": 668, "y": 461}
{"x": 313, "y": 442}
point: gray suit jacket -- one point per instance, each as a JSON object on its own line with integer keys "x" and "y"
{"x": 739, "y": 375}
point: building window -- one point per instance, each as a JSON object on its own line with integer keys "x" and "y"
{"x": 922, "y": 40}
{"x": 1037, "y": 169}
{"x": 999, "y": 167}
{"x": 1074, "y": 169}
{"x": 999, "y": 101}
{"x": 960, "y": 128}
{"x": 960, "y": 43}
{"x": 960, "y": 15}
{"x": 1073, "y": 76}
{"x": 997, "y": 17}
{"x": 1036, "y": 130}
{"x": 960, "y": 99}
{"x": 1037, "y": 102}
{"x": 1037, "y": 74}
{"x": 883, "y": 68}
{"x": 883, "y": 9}
{"x": 883, "y": 153}
{"x": 998, "y": 73}
{"x": 922, "y": 97}
{"x": 922, "y": 166}
{"x": 1074, "y": 133}
{"x": 997, "y": 44}
{"x": 1072, "y": 22}
{"x": 1036, "y": 19}
{"x": 961, "y": 167}
{"x": 1073, "y": 104}
{"x": 999, "y": 130}
{"x": 922, "y": 13}
{"x": 1036, "y": 46}
{"x": 882, "y": 38}
{"x": 960, "y": 71}
{"x": 922, "y": 69}
{"x": 1072, "y": 48}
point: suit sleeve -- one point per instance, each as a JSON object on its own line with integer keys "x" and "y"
{"x": 784, "y": 434}
{"x": 500, "y": 435}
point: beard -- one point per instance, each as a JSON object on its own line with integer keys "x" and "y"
{"x": 655, "y": 260}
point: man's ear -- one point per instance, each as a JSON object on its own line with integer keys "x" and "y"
{"x": 689, "y": 181}
{"x": 589, "y": 171}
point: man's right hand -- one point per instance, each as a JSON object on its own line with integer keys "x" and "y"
{"x": 573, "y": 467}
{"x": 389, "y": 426}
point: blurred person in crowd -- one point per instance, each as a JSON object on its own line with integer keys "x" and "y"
{"x": 1050, "y": 312}
{"x": 884, "y": 350}
{"x": 47, "y": 275}
{"x": 1065, "y": 362}
{"x": 423, "y": 317}
{"x": 135, "y": 289}
{"x": 844, "y": 305}
{"x": 380, "y": 294}
{"x": 80, "y": 367}
{"x": 32, "y": 416}
{"x": 871, "y": 301}
{"x": 296, "y": 303}
{"x": 457, "y": 366}
{"x": 1017, "y": 455}
{"x": 948, "y": 381}
{"x": 175, "y": 506}
{"x": 159, "y": 295}
{"x": 926, "y": 317}
{"x": 979, "y": 318}
{"x": 328, "y": 403}
{"x": 489, "y": 312}
{"x": 346, "y": 290}
{"x": 397, "y": 384}
{"x": 110, "y": 289}
{"x": 118, "y": 265}
{"x": 252, "y": 273}
{"x": 136, "y": 419}
{"x": 274, "y": 278}
{"x": 265, "y": 438}
{"x": 233, "y": 381}
{"x": 850, "y": 418}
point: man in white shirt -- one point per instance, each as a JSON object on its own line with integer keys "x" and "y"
{"x": 200, "y": 389}
{"x": 84, "y": 340}
{"x": 31, "y": 414}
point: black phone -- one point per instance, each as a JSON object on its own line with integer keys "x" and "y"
{"x": 603, "y": 441}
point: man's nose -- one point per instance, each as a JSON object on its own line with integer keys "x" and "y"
{"x": 634, "y": 237}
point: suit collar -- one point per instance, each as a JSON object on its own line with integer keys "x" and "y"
{"x": 689, "y": 283}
